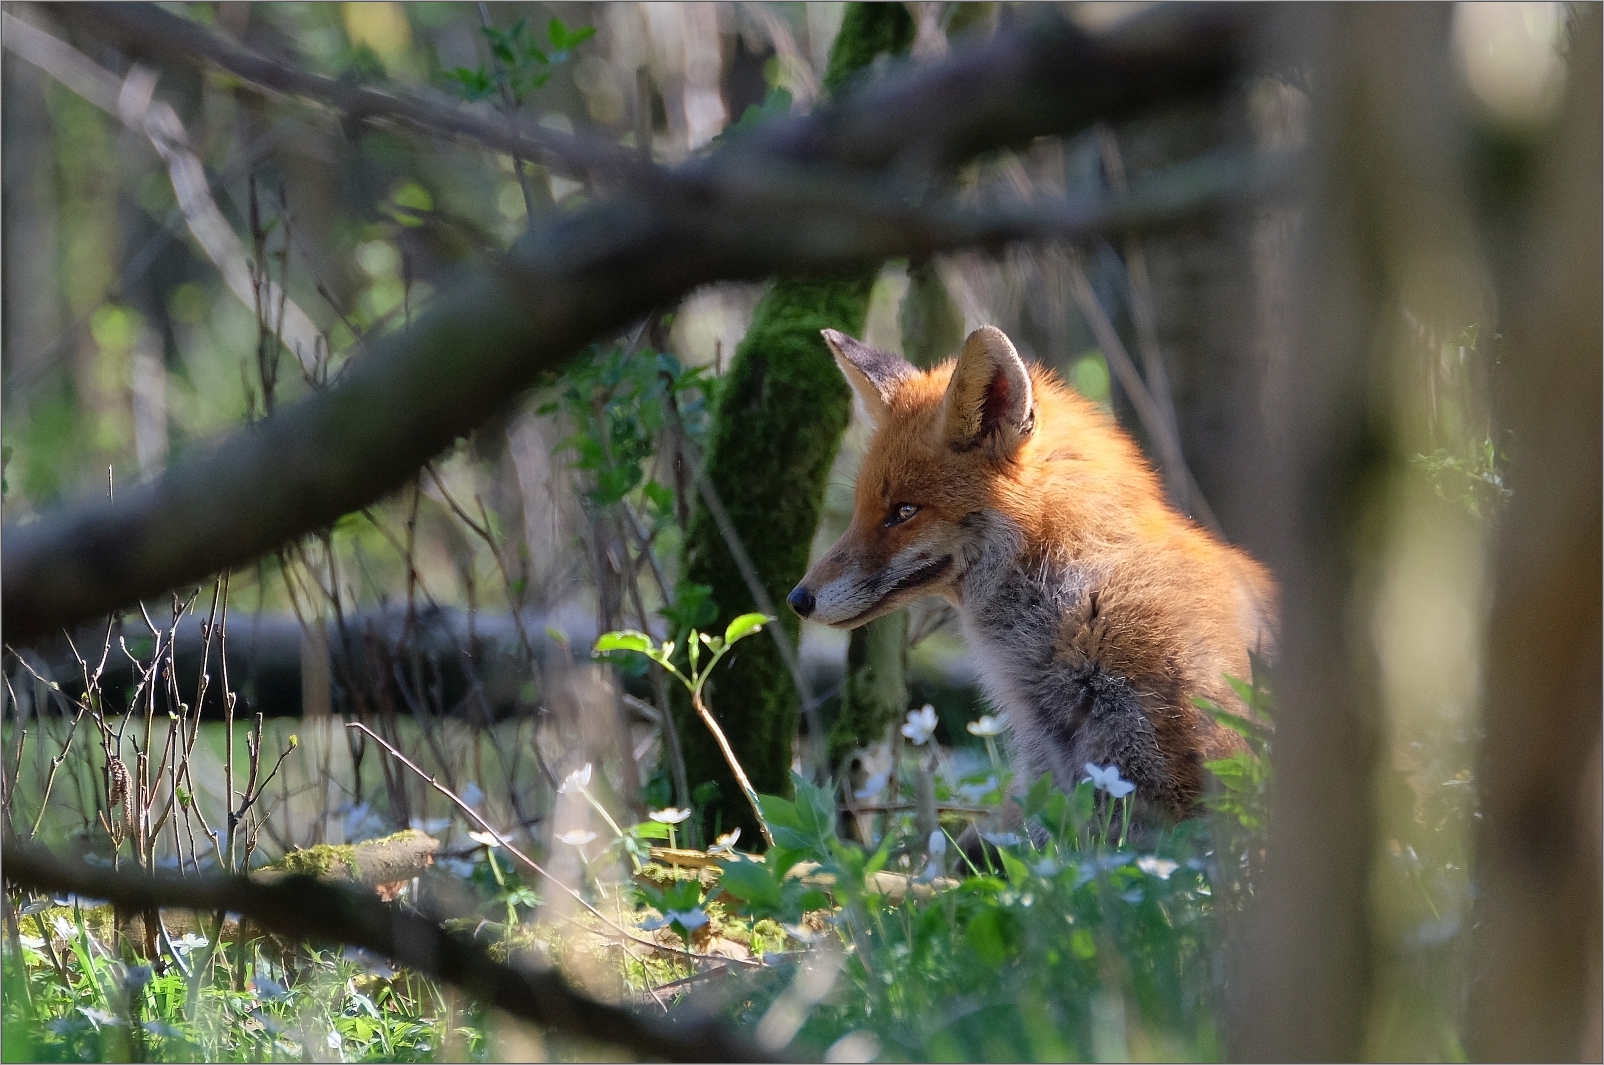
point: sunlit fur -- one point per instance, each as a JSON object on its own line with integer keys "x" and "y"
{"x": 1095, "y": 612}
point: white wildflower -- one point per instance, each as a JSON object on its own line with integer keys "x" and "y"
{"x": 1108, "y": 779}
{"x": 921, "y": 724}
{"x": 1159, "y": 867}
{"x": 725, "y": 844}
{"x": 577, "y": 837}
{"x": 578, "y": 780}
{"x": 988, "y": 725}
{"x": 670, "y": 816}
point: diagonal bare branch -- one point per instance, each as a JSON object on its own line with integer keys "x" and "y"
{"x": 130, "y": 100}
{"x": 150, "y": 31}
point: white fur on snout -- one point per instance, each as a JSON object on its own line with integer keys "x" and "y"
{"x": 842, "y": 599}
{"x": 857, "y": 591}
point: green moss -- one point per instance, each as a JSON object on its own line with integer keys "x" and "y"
{"x": 867, "y": 30}
{"x": 337, "y": 861}
{"x": 781, "y": 412}
{"x": 327, "y": 860}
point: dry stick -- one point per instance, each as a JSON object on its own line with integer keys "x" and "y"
{"x": 1120, "y": 361}
{"x": 735, "y": 763}
{"x": 130, "y": 101}
{"x": 501, "y": 841}
{"x": 153, "y": 31}
{"x": 303, "y": 907}
{"x": 482, "y": 530}
{"x": 1141, "y": 293}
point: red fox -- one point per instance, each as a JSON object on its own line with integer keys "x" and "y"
{"x": 1094, "y": 611}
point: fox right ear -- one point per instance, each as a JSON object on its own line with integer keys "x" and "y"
{"x": 872, "y": 373}
{"x": 989, "y": 400}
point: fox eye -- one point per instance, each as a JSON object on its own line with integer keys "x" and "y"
{"x": 901, "y": 513}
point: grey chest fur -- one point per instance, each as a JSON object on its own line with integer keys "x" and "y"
{"x": 1063, "y": 715}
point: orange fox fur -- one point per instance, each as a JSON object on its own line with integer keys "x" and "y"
{"x": 1094, "y": 610}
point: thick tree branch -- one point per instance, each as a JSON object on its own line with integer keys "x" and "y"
{"x": 753, "y": 209}
{"x": 305, "y": 908}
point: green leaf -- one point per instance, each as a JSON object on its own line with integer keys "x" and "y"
{"x": 627, "y": 640}
{"x": 1018, "y": 872}
{"x": 563, "y": 39}
{"x": 649, "y": 830}
{"x": 778, "y": 812}
{"x": 752, "y": 882}
{"x": 994, "y": 935}
{"x": 744, "y": 626}
{"x": 683, "y": 895}
{"x": 1247, "y": 729}
{"x": 1082, "y": 945}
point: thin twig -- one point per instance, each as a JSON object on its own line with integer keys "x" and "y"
{"x": 1119, "y": 360}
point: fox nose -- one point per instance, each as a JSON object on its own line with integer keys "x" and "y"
{"x": 801, "y": 600}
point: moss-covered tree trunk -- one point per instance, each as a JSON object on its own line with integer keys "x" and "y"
{"x": 780, "y": 416}
{"x": 874, "y": 692}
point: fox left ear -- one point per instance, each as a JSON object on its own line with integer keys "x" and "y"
{"x": 873, "y": 374}
{"x": 989, "y": 399}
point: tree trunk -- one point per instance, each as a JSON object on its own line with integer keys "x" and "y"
{"x": 780, "y": 416}
{"x": 1537, "y": 998}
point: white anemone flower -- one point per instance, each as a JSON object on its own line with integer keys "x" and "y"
{"x": 921, "y": 724}
{"x": 485, "y": 839}
{"x": 578, "y": 780}
{"x": 1159, "y": 867}
{"x": 670, "y": 816}
{"x": 577, "y": 837}
{"x": 1108, "y": 779}
{"x": 989, "y": 725}
{"x": 725, "y": 844}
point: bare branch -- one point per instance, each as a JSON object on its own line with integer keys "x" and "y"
{"x": 305, "y": 908}
{"x": 746, "y": 211}
{"x": 150, "y": 31}
{"x": 130, "y": 100}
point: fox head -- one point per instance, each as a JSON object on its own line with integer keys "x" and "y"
{"x": 938, "y": 465}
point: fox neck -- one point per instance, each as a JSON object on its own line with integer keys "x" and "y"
{"x": 1011, "y": 603}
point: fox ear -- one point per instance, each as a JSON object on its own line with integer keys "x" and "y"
{"x": 989, "y": 399}
{"x": 873, "y": 374}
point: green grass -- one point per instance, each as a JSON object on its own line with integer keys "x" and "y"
{"x": 1068, "y": 943}
{"x": 1067, "y": 948}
